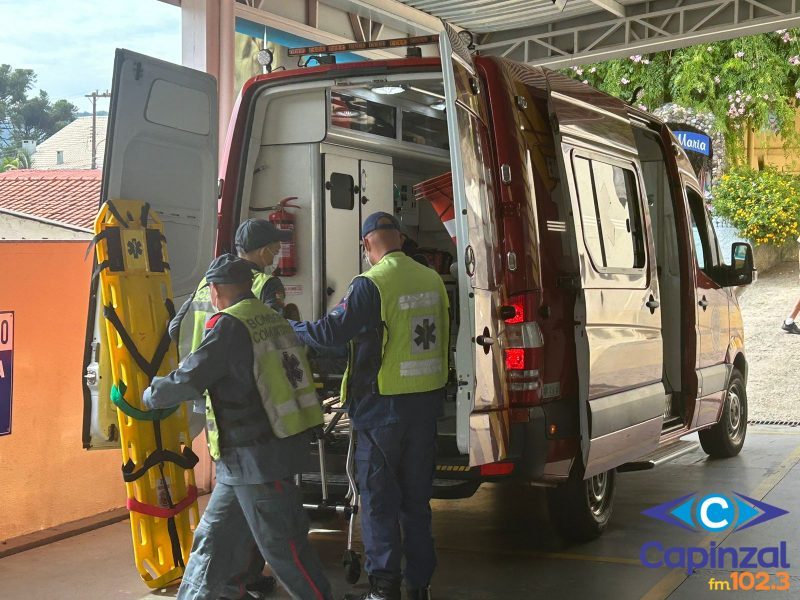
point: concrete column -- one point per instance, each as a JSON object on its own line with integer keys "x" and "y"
{"x": 227, "y": 30}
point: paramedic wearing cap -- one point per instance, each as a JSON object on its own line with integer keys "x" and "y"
{"x": 395, "y": 317}
{"x": 257, "y": 241}
{"x": 259, "y": 383}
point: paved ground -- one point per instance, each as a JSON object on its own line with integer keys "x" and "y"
{"x": 774, "y": 356}
{"x": 498, "y": 545}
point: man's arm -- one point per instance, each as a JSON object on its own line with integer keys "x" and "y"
{"x": 199, "y": 371}
{"x": 273, "y": 294}
{"x": 174, "y": 328}
{"x": 359, "y": 310}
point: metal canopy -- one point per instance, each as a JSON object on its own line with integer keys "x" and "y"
{"x": 537, "y": 32}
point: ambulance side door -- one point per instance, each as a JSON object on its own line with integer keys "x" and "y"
{"x": 161, "y": 147}
{"x": 617, "y": 318}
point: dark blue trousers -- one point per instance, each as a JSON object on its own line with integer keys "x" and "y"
{"x": 395, "y": 467}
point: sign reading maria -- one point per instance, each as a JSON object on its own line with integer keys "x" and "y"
{"x": 694, "y": 142}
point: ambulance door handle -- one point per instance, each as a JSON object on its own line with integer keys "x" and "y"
{"x": 703, "y": 303}
{"x": 484, "y": 341}
{"x": 364, "y": 200}
{"x": 652, "y": 304}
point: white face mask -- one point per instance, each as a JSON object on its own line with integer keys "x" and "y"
{"x": 276, "y": 258}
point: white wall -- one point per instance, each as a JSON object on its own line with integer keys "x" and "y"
{"x": 20, "y": 228}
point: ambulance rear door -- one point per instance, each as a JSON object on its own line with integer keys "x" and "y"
{"x": 161, "y": 146}
{"x": 482, "y": 411}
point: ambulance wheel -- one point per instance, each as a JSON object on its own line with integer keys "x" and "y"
{"x": 581, "y": 509}
{"x": 726, "y": 438}
{"x": 352, "y": 567}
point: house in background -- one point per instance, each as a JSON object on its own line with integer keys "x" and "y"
{"x": 48, "y": 204}
{"x": 71, "y": 147}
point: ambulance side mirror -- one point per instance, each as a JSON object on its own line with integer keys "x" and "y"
{"x": 741, "y": 272}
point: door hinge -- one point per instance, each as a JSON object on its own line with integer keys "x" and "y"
{"x": 569, "y": 282}
{"x": 220, "y": 183}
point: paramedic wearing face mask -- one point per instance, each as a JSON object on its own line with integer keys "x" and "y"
{"x": 395, "y": 318}
{"x": 258, "y": 242}
{"x": 259, "y": 382}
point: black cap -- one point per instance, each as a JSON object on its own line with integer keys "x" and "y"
{"x": 379, "y": 220}
{"x": 229, "y": 269}
{"x": 257, "y": 233}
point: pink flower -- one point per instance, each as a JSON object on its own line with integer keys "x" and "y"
{"x": 739, "y": 54}
{"x": 709, "y": 49}
{"x": 797, "y": 94}
{"x": 586, "y": 81}
{"x": 643, "y": 107}
{"x": 624, "y": 81}
{"x": 780, "y": 31}
{"x": 794, "y": 60}
{"x": 637, "y": 58}
{"x": 716, "y": 79}
{"x": 787, "y": 38}
{"x": 766, "y": 96}
{"x": 645, "y": 62}
{"x": 593, "y": 70}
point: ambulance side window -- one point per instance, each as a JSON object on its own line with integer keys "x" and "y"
{"x": 610, "y": 214}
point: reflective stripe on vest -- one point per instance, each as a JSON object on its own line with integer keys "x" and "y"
{"x": 280, "y": 368}
{"x": 416, "y": 326}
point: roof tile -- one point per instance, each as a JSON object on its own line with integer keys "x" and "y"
{"x": 64, "y": 195}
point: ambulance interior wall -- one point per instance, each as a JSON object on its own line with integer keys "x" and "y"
{"x": 46, "y": 477}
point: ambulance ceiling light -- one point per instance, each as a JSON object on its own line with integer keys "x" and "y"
{"x": 389, "y": 89}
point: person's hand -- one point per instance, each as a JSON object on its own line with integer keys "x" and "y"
{"x": 146, "y": 398}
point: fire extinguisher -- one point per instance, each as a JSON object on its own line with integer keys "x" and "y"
{"x": 283, "y": 219}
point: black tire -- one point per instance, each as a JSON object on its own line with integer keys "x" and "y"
{"x": 726, "y": 438}
{"x": 352, "y": 567}
{"x": 581, "y": 509}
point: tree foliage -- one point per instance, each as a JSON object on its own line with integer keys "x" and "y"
{"x": 28, "y": 117}
{"x": 747, "y": 83}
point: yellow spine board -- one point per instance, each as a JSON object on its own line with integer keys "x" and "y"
{"x": 139, "y": 298}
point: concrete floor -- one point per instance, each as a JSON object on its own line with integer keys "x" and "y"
{"x": 498, "y": 543}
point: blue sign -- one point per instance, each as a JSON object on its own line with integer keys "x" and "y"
{"x": 6, "y": 369}
{"x": 694, "y": 142}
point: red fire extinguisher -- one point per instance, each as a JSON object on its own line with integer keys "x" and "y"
{"x": 283, "y": 219}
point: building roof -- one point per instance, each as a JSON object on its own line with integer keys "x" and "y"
{"x": 75, "y": 143}
{"x": 65, "y": 196}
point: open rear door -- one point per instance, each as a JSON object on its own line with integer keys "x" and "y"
{"x": 617, "y": 309}
{"x": 482, "y": 415}
{"x": 161, "y": 147}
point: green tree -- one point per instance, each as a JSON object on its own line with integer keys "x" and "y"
{"x": 747, "y": 83}
{"x": 27, "y": 117}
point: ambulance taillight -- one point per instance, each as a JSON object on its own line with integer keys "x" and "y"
{"x": 524, "y": 350}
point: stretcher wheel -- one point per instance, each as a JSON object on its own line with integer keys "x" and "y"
{"x": 352, "y": 566}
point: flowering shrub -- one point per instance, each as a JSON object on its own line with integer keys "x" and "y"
{"x": 748, "y": 82}
{"x": 763, "y": 205}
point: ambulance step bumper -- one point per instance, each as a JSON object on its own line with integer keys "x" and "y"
{"x": 659, "y": 457}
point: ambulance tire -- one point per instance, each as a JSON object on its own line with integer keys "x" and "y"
{"x": 581, "y": 509}
{"x": 726, "y": 438}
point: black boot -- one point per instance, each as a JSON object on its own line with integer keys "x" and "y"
{"x": 379, "y": 589}
{"x": 418, "y": 593}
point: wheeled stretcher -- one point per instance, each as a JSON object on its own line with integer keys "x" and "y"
{"x": 337, "y": 431}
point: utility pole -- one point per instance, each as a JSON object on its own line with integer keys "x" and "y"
{"x": 94, "y": 96}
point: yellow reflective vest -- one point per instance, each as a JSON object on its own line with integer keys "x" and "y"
{"x": 416, "y": 326}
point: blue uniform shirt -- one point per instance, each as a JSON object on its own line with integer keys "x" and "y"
{"x": 358, "y": 317}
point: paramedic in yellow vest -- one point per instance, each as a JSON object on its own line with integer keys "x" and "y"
{"x": 258, "y": 241}
{"x": 262, "y": 392}
{"x": 395, "y": 318}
